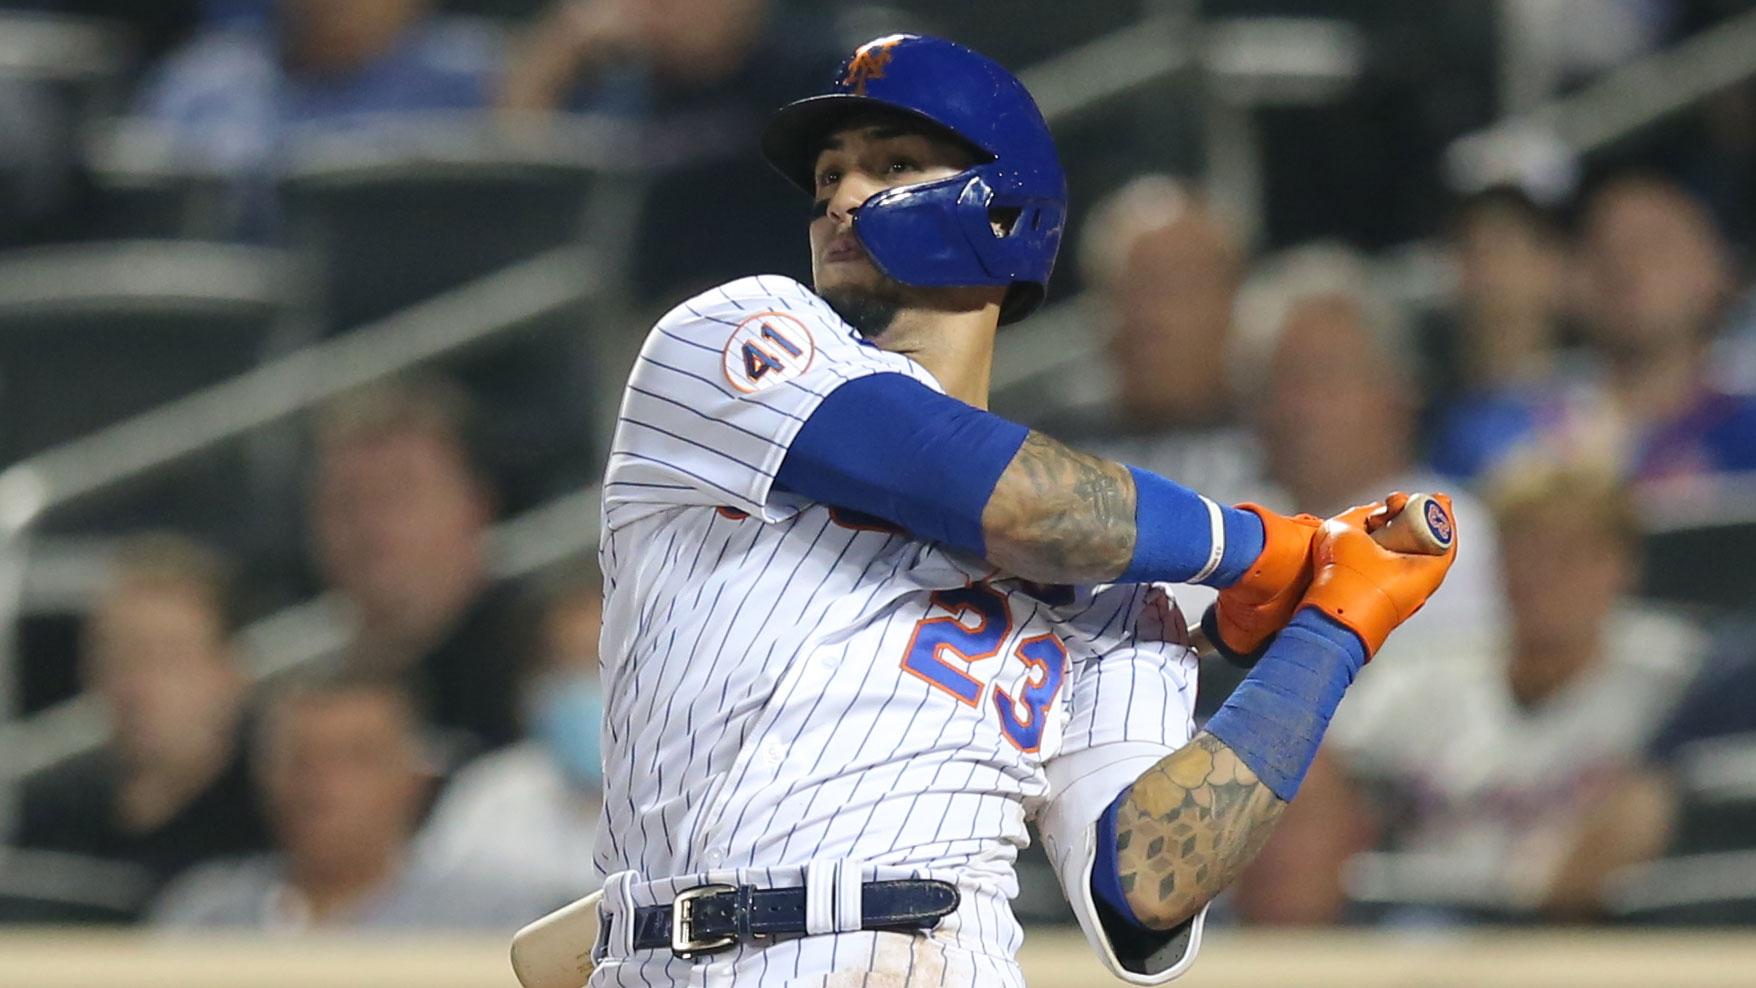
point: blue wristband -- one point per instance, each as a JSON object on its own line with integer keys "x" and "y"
{"x": 1182, "y": 537}
{"x": 1275, "y": 719}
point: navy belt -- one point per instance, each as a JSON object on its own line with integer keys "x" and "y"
{"x": 710, "y": 918}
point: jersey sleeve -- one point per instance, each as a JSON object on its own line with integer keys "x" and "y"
{"x": 720, "y": 389}
{"x": 1131, "y": 703}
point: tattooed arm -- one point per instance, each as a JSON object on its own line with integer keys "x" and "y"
{"x": 948, "y": 472}
{"x": 1190, "y": 824}
{"x": 1060, "y": 516}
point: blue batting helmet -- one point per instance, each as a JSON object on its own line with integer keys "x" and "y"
{"x": 996, "y": 223}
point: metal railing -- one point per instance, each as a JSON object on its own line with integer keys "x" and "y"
{"x": 59, "y": 48}
{"x": 1618, "y": 104}
{"x": 1252, "y": 60}
{"x": 1233, "y": 68}
{"x": 501, "y": 304}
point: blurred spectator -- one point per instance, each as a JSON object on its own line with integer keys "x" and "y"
{"x": 529, "y": 814}
{"x": 236, "y": 96}
{"x": 702, "y": 77}
{"x": 1504, "y": 333}
{"x": 1474, "y": 767}
{"x": 1167, "y": 269}
{"x": 1321, "y": 363}
{"x": 399, "y": 513}
{"x": 1695, "y": 791}
{"x": 344, "y": 781}
{"x": 169, "y": 788}
{"x": 1655, "y": 282}
{"x": 1511, "y": 267}
{"x": 599, "y": 46}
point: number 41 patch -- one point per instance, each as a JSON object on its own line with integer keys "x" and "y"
{"x": 766, "y": 349}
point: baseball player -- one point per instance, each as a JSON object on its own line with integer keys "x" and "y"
{"x": 858, "y": 630}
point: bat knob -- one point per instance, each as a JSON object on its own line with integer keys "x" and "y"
{"x": 1423, "y": 526}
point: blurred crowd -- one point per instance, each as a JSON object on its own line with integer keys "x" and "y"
{"x": 1566, "y": 733}
{"x": 251, "y": 90}
{"x": 1531, "y": 743}
{"x": 441, "y": 772}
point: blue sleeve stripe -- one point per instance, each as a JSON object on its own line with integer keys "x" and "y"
{"x": 658, "y": 487}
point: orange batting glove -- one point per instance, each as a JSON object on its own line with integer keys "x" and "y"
{"x": 1249, "y": 612}
{"x": 1363, "y": 585}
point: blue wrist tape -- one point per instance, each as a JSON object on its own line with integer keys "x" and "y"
{"x": 1275, "y": 719}
{"x": 1182, "y": 537}
{"x": 1274, "y": 722}
{"x": 889, "y": 446}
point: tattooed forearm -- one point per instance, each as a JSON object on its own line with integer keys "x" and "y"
{"x": 1189, "y": 825}
{"x": 1060, "y": 516}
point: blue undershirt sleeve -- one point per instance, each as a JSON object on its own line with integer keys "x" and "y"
{"x": 889, "y": 446}
{"x": 1106, "y": 872}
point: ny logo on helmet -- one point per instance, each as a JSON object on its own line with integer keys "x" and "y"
{"x": 869, "y": 62}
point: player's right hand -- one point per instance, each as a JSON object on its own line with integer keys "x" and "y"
{"x": 1364, "y": 586}
{"x": 1249, "y": 612}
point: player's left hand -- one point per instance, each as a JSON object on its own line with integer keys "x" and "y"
{"x": 1249, "y": 612}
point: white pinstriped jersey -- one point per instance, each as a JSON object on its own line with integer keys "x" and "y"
{"x": 788, "y": 682}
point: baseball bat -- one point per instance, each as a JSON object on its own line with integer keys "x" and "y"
{"x": 555, "y": 951}
{"x": 1422, "y": 527}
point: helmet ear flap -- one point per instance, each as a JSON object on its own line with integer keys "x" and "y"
{"x": 957, "y": 231}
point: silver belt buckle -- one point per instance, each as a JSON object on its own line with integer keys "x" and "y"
{"x": 683, "y": 941}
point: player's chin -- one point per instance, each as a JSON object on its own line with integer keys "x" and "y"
{"x": 847, "y": 274}
{"x": 869, "y": 309}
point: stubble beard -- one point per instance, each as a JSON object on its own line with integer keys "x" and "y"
{"x": 871, "y": 310}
